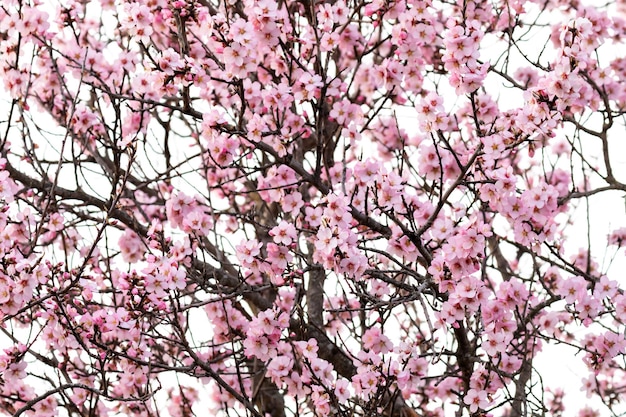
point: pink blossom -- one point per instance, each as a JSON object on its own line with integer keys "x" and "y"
{"x": 342, "y": 390}
{"x": 476, "y": 399}
{"x": 131, "y": 246}
{"x": 279, "y": 367}
{"x": 573, "y": 289}
{"x": 248, "y": 250}
{"x": 376, "y": 341}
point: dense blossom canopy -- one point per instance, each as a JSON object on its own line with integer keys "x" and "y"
{"x": 310, "y": 208}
